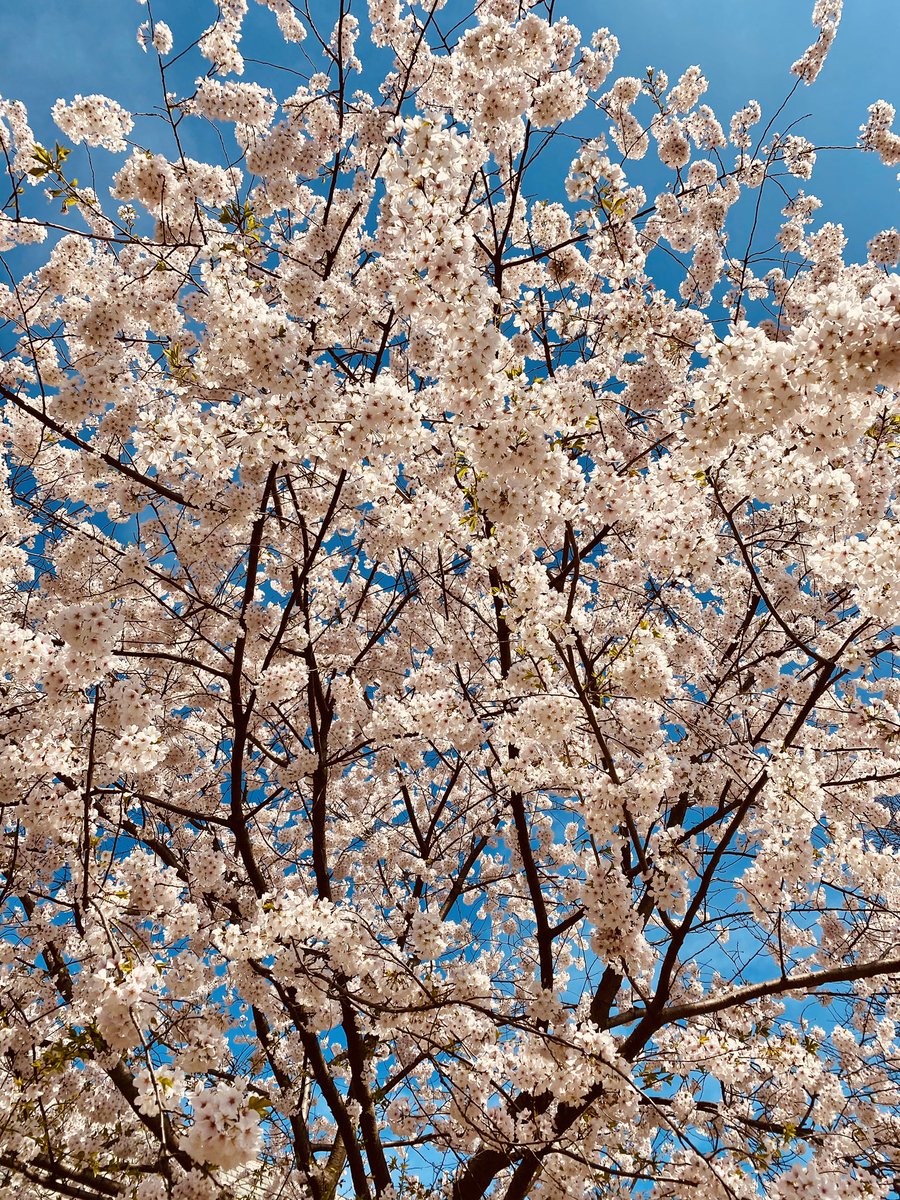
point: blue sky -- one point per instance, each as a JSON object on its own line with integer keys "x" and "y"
{"x": 56, "y": 48}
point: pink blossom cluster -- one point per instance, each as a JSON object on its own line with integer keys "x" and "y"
{"x": 96, "y": 120}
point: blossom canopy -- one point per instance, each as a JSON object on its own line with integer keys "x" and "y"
{"x": 448, "y": 686}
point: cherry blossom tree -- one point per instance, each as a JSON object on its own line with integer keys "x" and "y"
{"x": 449, "y": 695}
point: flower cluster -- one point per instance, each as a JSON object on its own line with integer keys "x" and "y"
{"x": 884, "y": 248}
{"x": 877, "y": 134}
{"x": 90, "y": 628}
{"x": 96, "y": 120}
{"x": 826, "y": 18}
{"x": 224, "y": 1130}
{"x": 244, "y": 102}
{"x": 219, "y": 43}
